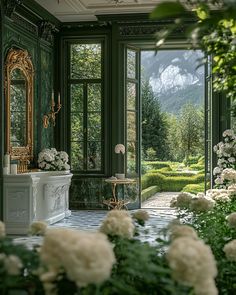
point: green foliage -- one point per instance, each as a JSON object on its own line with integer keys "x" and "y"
{"x": 140, "y": 269}
{"x": 191, "y": 160}
{"x": 174, "y": 183}
{"x": 167, "y": 9}
{"x": 30, "y": 260}
{"x": 149, "y": 192}
{"x": 157, "y": 164}
{"x": 154, "y": 125}
{"x": 198, "y": 167}
{"x": 212, "y": 227}
{"x": 151, "y": 154}
{"x": 194, "y": 188}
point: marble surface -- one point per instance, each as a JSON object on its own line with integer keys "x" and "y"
{"x": 90, "y": 220}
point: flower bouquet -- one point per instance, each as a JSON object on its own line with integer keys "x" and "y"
{"x": 53, "y": 160}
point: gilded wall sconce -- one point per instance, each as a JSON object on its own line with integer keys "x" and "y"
{"x": 50, "y": 117}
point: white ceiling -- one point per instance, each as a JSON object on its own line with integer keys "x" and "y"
{"x": 85, "y": 10}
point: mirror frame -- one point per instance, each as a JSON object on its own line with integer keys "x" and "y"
{"x": 20, "y": 59}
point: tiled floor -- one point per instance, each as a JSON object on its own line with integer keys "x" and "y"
{"x": 91, "y": 220}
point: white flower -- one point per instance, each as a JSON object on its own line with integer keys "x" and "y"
{"x": 2, "y": 230}
{"x": 85, "y": 257}
{"x": 201, "y": 204}
{"x": 118, "y": 223}
{"x": 219, "y": 180}
{"x": 38, "y": 228}
{"x": 228, "y": 132}
{"x": 141, "y": 215}
{"x": 51, "y": 159}
{"x": 13, "y": 265}
{"x": 178, "y": 231}
{"x": 216, "y": 170}
{"x": 206, "y": 287}
{"x": 120, "y": 148}
{"x": 229, "y": 174}
{"x": 231, "y": 160}
{"x": 230, "y": 250}
{"x": 232, "y": 220}
{"x": 183, "y": 200}
{"x": 191, "y": 261}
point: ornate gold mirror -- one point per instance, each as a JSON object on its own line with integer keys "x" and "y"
{"x": 19, "y": 104}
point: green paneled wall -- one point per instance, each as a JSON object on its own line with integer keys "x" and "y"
{"x": 42, "y": 57}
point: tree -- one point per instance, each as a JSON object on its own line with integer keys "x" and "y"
{"x": 154, "y": 124}
{"x": 191, "y": 130}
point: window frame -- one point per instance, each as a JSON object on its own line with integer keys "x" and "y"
{"x": 104, "y": 105}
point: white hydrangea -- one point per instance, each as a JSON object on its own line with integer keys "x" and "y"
{"x": 228, "y": 132}
{"x": 229, "y": 174}
{"x": 38, "y": 228}
{"x": 141, "y": 215}
{"x": 120, "y": 148}
{"x": 12, "y": 264}
{"x": 178, "y": 231}
{"x": 217, "y": 170}
{"x": 183, "y": 200}
{"x": 51, "y": 159}
{"x": 84, "y": 256}
{"x": 201, "y": 204}
{"x": 2, "y": 230}
{"x": 118, "y": 223}
{"x": 192, "y": 262}
{"x": 208, "y": 287}
{"x": 232, "y": 220}
{"x": 230, "y": 250}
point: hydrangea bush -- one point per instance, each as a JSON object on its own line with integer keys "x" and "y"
{"x": 226, "y": 154}
{"x": 53, "y": 160}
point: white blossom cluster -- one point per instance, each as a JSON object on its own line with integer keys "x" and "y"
{"x": 38, "y": 228}
{"x": 118, "y": 223}
{"x": 197, "y": 203}
{"x": 11, "y": 263}
{"x": 191, "y": 261}
{"x": 2, "y": 230}
{"x": 226, "y": 154}
{"x": 141, "y": 215}
{"x": 120, "y": 148}
{"x": 53, "y": 160}
{"x": 85, "y": 257}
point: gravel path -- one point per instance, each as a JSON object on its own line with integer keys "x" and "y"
{"x": 159, "y": 200}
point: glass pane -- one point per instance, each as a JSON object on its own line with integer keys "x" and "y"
{"x": 85, "y": 61}
{"x": 76, "y": 155}
{"x": 94, "y": 126}
{"x": 77, "y": 97}
{"x": 131, "y": 64}
{"x": 131, "y": 96}
{"x": 94, "y": 97}
{"x": 17, "y": 74}
{"x": 94, "y": 155}
{"x": 77, "y": 127}
{"x": 18, "y": 97}
{"x": 131, "y": 158}
{"x": 131, "y": 126}
{"x": 18, "y": 129}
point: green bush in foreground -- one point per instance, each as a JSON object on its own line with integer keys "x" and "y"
{"x": 214, "y": 229}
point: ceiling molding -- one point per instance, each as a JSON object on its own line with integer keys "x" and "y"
{"x": 88, "y": 10}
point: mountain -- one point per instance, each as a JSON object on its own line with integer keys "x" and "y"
{"x": 175, "y": 77}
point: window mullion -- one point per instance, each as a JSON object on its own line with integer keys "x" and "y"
{"x": 85, "y": 127}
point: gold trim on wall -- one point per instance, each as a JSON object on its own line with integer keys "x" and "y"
{"x": 20, "y": 59}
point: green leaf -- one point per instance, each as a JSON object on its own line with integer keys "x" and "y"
{"x": 167, "y": 9}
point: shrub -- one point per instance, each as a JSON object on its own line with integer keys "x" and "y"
{"x": 194, "y": 188}
{"x": 191, "y": 160}
{"x": 149, "y": 192}
{"x": 197, "y": 167}
{"x": 170, "y": 183}
{"x": 157, "y": 164}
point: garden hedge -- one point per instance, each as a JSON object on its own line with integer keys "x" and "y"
{"x": 170, "y": 183}
{"x": 149, "y": 192}
{"x": 194, "y": 188}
